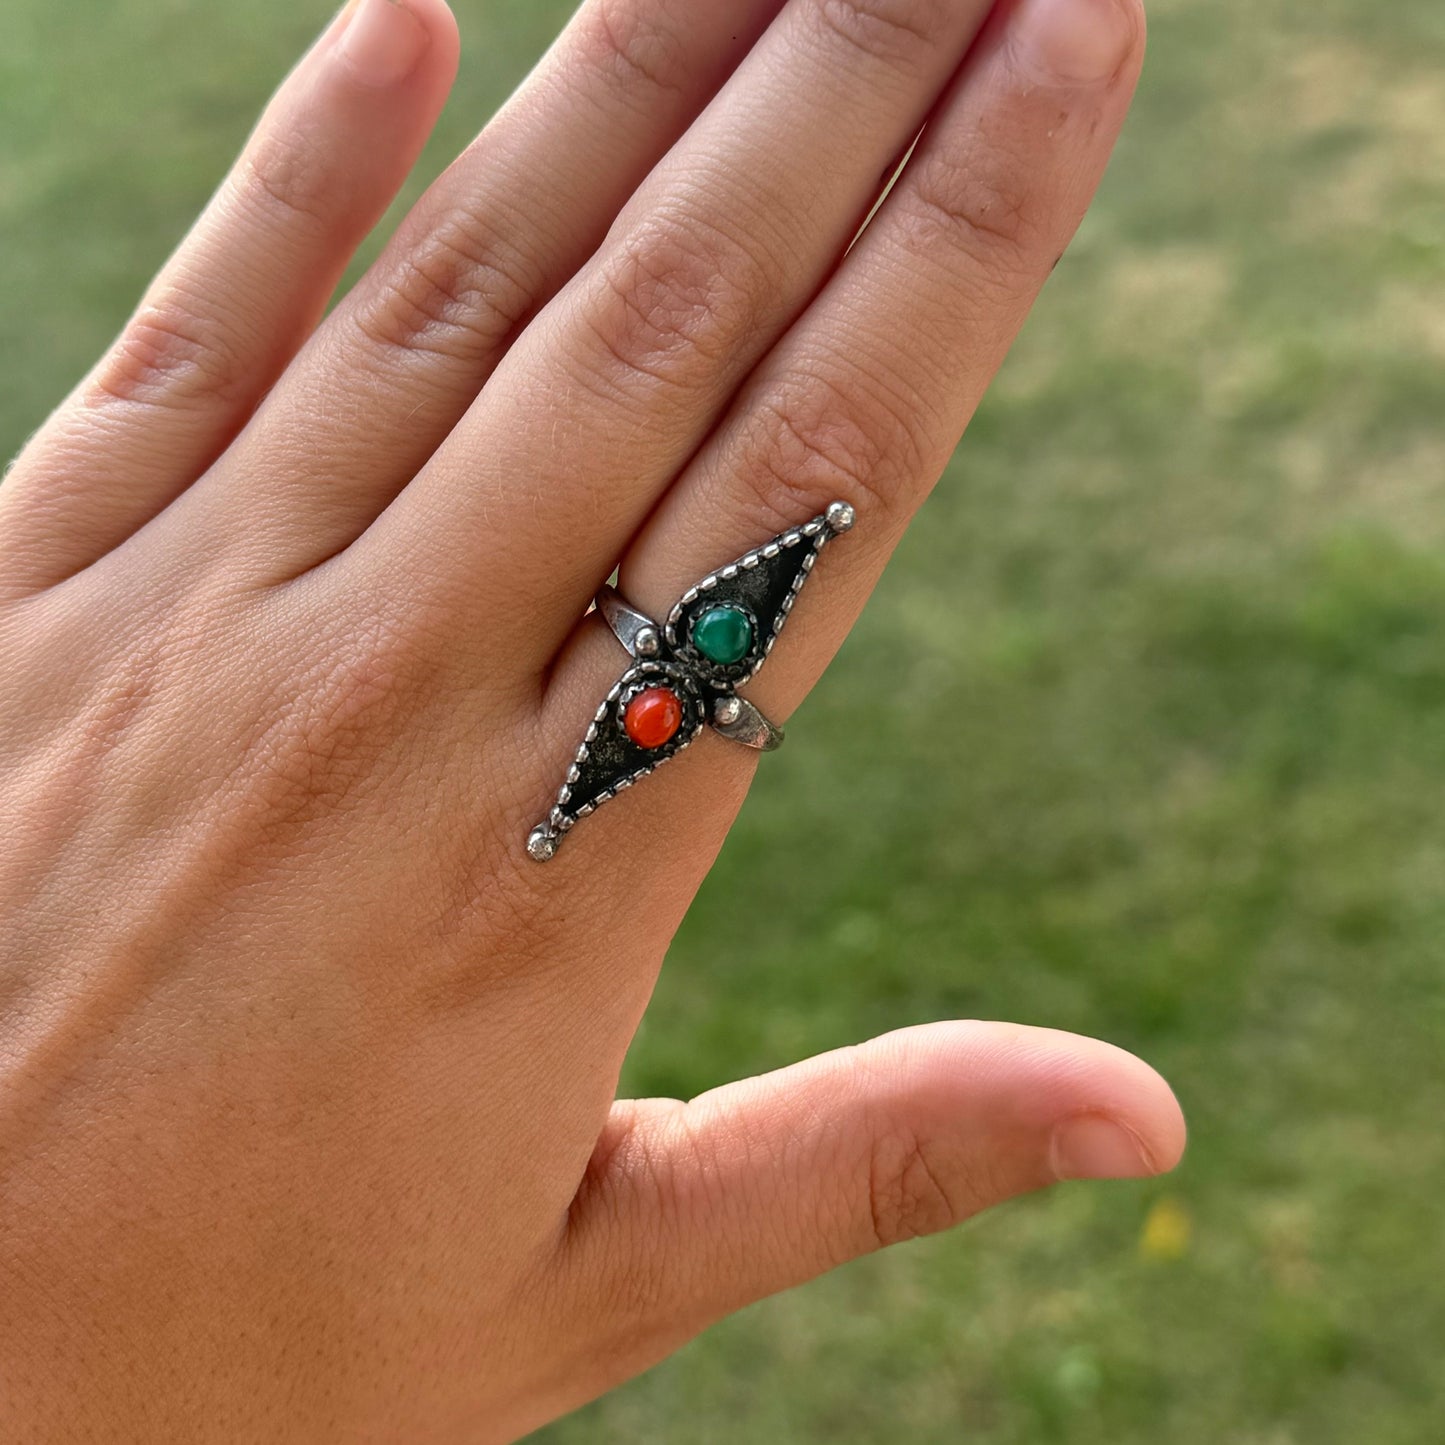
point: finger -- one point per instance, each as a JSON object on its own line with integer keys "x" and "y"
{"x": 690, "y": 1211}
{"x": 601, "y": 401}
{"x": 406, "y": 352}
{"x": 867, "y": 396}
{"x": 243, "y": 290}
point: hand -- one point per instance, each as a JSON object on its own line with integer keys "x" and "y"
{"x": 308, "y": 1126}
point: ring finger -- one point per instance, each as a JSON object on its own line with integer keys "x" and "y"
{"x": 867, "y": 396}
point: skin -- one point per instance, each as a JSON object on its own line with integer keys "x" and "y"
{"x": 308, "y": 1115}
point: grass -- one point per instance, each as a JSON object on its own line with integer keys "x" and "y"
{"x": 1171, "y": 774}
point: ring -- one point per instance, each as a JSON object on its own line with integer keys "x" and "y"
{"x": 686, "y": 671}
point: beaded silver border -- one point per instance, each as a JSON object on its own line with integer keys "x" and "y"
{"x": 819, "y": 532}
{"x": 641, "y": 674}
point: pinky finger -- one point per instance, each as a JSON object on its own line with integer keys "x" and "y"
{"x": 245, "y": 288}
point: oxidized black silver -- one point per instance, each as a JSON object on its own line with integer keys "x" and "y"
{"x": 763, "y": 584}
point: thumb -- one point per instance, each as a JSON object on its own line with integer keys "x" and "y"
{"x": 690, "y": 1211}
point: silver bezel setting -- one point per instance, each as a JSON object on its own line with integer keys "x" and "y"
{"x": 815, "y": 534}
{"x": 610, "y": 712}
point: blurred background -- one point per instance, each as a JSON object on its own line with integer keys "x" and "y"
{"x": 1144, "y": 735}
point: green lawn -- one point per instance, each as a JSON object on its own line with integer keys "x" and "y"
{"x": 1172, "y": 775}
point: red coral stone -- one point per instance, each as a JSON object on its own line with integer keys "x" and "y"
{"x": 653, "y": 717}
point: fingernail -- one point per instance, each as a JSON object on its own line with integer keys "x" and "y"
{"x": 1074, "y": 42}
{"x": 1093, "y": 1147}
{"x": 382, "y": 42}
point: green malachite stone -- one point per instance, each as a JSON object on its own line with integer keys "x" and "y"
{"x": 723, "y": 635}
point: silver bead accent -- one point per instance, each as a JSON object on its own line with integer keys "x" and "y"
{"x": 542, "y": 844}
{"x": 632, "y": 628}
{"x": 841, "y": 517}
{"x": 736, "y": 718}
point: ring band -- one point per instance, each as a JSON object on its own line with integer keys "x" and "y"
{"x": 686, "y": 671}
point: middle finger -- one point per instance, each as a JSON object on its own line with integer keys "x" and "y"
{"x": 604, "y": 398}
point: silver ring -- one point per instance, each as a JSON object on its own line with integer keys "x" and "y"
{"x": 686, "y": 670}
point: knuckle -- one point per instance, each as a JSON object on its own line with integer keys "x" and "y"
{"x": 907, "y": 1195}
{"x": 676, "y": 297}
{"x": 321, "y": 747}
{"x": 171, "y": 354}
{"x": 816, "y": 441}
{"x": 285, "y": 179}
{"x": 99, "y": 723}
{"x": 981, "y": 206}
{"x": 891, "y": 30}
{"x": 118, "y": 703}
{"x": 675, "y": 294}
{"x": 635, "y": 46}
{"x": 461, "y": 293}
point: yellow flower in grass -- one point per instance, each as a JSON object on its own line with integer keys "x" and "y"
{"x": 1167, "y": 1230}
